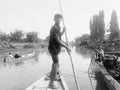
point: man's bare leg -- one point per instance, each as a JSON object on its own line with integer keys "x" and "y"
{"x": 52, "y": 76}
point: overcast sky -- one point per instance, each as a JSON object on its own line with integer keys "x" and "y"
{"x": 37, "y": 15}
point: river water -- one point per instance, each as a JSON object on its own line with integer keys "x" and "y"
{"x": 18, "y": 75}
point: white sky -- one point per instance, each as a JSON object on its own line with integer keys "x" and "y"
{"x": 37, "y": 15}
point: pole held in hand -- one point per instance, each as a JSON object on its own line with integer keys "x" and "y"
{"x": 78, "y": 88}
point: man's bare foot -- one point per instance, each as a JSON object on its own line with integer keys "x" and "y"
{"x": 53, "y": 85}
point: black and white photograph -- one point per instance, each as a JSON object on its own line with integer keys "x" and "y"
{"x": 59, "y": 45}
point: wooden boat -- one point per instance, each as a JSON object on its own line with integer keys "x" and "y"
{"x": 113, "y": 53}
{"x": 28, "y": 55}
{"x": 110, "y": 81}
{"x": 22, "y": 56}
{"x": 10, "y": 58}
{"x": 43, "y": 84}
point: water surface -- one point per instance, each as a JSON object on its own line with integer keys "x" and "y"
{"x": 18, "y": 75}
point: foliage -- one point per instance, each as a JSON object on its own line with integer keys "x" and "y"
{"x": 97, "y": 27}
{"x": 47, "y": 39}
{"x": 4, "y": 37}
{"x": 32, "y": 37}
{"x": 77, "y": 40}
{"x": 16, "y": 36}
{"x": 83, "y": 38}
{"x": 114, "y": 27}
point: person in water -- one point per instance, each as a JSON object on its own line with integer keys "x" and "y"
{"x": 17, "y": 55}
{"x": 55, "y": 44}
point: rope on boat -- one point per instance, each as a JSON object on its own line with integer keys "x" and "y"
{"x": 78, "y": 88}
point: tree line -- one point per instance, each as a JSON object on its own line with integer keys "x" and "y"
{"x": 18, "y": 36}
{"x": 98, "y": 29}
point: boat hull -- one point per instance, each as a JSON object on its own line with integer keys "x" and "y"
{"x": 43, "y": 84}
{"x": 111, "y": 83}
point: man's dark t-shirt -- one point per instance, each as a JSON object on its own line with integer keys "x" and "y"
{"x": 54, "y": 45}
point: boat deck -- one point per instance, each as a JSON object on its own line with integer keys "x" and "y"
{"x": 43, "y": 84}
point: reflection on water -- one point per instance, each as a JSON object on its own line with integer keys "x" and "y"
{"x": 19, "y": 74}
{"x": 95, "y": 76}
{"x": 85, "y": 52}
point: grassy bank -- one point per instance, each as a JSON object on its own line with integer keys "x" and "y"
{"x": 23, "y": 48}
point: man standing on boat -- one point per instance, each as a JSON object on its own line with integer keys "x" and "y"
{"x": 54, "y": 48}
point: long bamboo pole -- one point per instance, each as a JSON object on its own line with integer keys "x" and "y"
{"x": 78, "y": 88}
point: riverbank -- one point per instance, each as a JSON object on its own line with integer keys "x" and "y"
{"x": 107, "y": 46}
{"x": 23, "y": 47}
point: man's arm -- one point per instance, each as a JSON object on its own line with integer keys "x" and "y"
{"x": 62, "y": 43}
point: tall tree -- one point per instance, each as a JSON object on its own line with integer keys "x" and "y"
{"x": 93, "y": 30}
{"x": 114, "y": 27}
{"x": 16, "y": 35}
{"x": 101, "y": 25}
{"x": 97, "y": 27}
{"x": 32, "y": 37}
